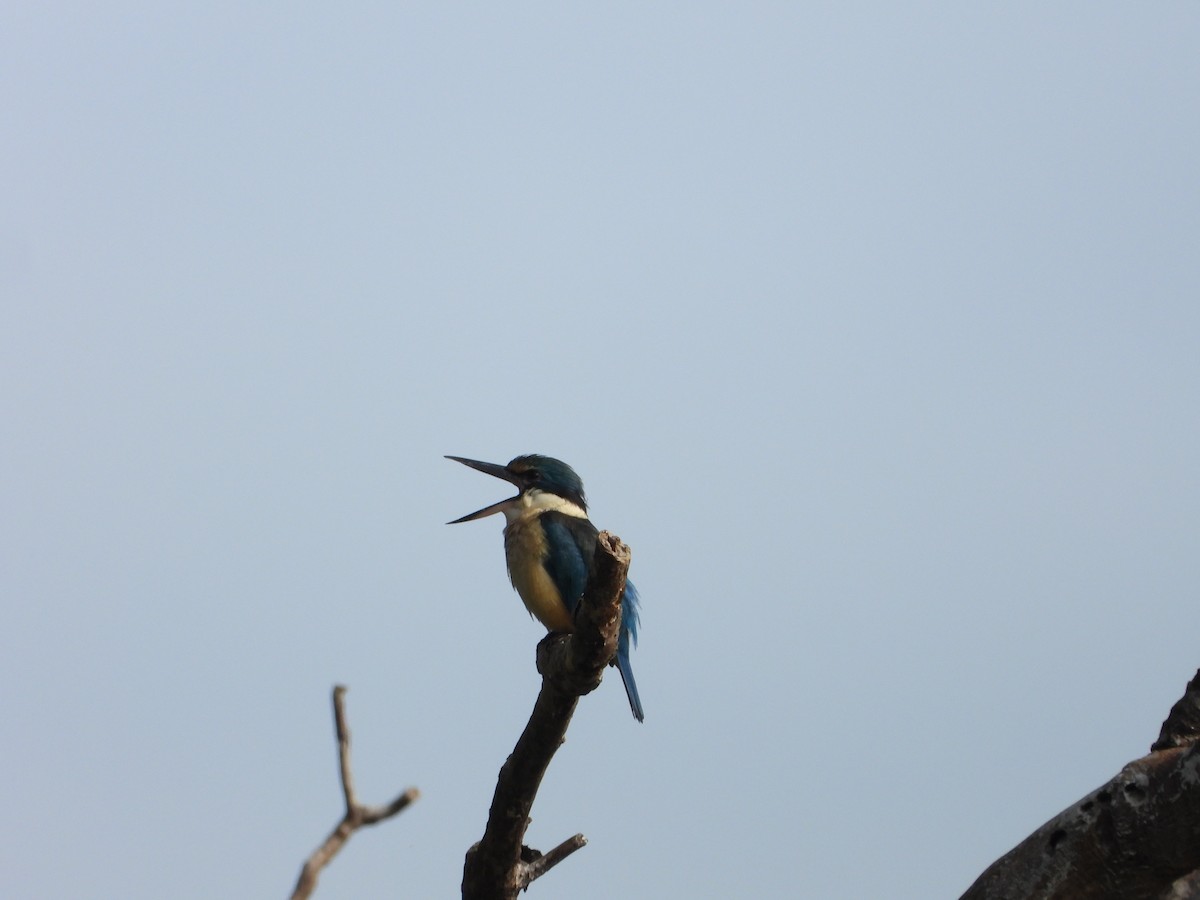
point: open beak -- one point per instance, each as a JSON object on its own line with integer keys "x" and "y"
{"x": 492, "y": 469}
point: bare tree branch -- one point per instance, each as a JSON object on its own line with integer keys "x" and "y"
{"x": 540, "y": 865}
{"x": 498, "y": 867}
{"x": 1135, "y": 838}
{"x": 356, "y": 815}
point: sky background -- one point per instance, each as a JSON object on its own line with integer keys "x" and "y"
{"x": 874, "y": 329}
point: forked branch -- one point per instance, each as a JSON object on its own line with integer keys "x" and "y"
{"x": 356, "y": 815}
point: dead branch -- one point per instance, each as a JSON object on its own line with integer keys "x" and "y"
{"x": 499, "y": 867}
{"x": 1135, "y": 838}
{"x": 1182, "y": 726}
{"x": 356, "y": 815}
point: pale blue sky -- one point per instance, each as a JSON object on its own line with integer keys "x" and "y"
{"x": 872, "y": 328}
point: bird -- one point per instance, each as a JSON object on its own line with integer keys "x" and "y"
{"x": 549, "y": 545}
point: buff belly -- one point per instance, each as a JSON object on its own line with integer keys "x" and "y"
{"x": 525, "y": 549}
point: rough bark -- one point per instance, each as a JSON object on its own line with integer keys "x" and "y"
{"x": 1135, "y": 838}
{"x": 571, "y": 665}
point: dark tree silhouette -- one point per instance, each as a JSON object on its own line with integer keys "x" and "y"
{"x": 1135, "y": 838}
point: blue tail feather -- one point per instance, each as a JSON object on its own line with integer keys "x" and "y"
{"x": 629, "y": 636}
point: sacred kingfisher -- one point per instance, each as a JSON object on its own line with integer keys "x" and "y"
{"x": 549, "y": 544}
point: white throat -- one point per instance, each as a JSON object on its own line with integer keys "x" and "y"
{"x": 535, "y": 502}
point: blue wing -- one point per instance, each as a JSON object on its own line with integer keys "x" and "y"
{"x": 571, "y": 545}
